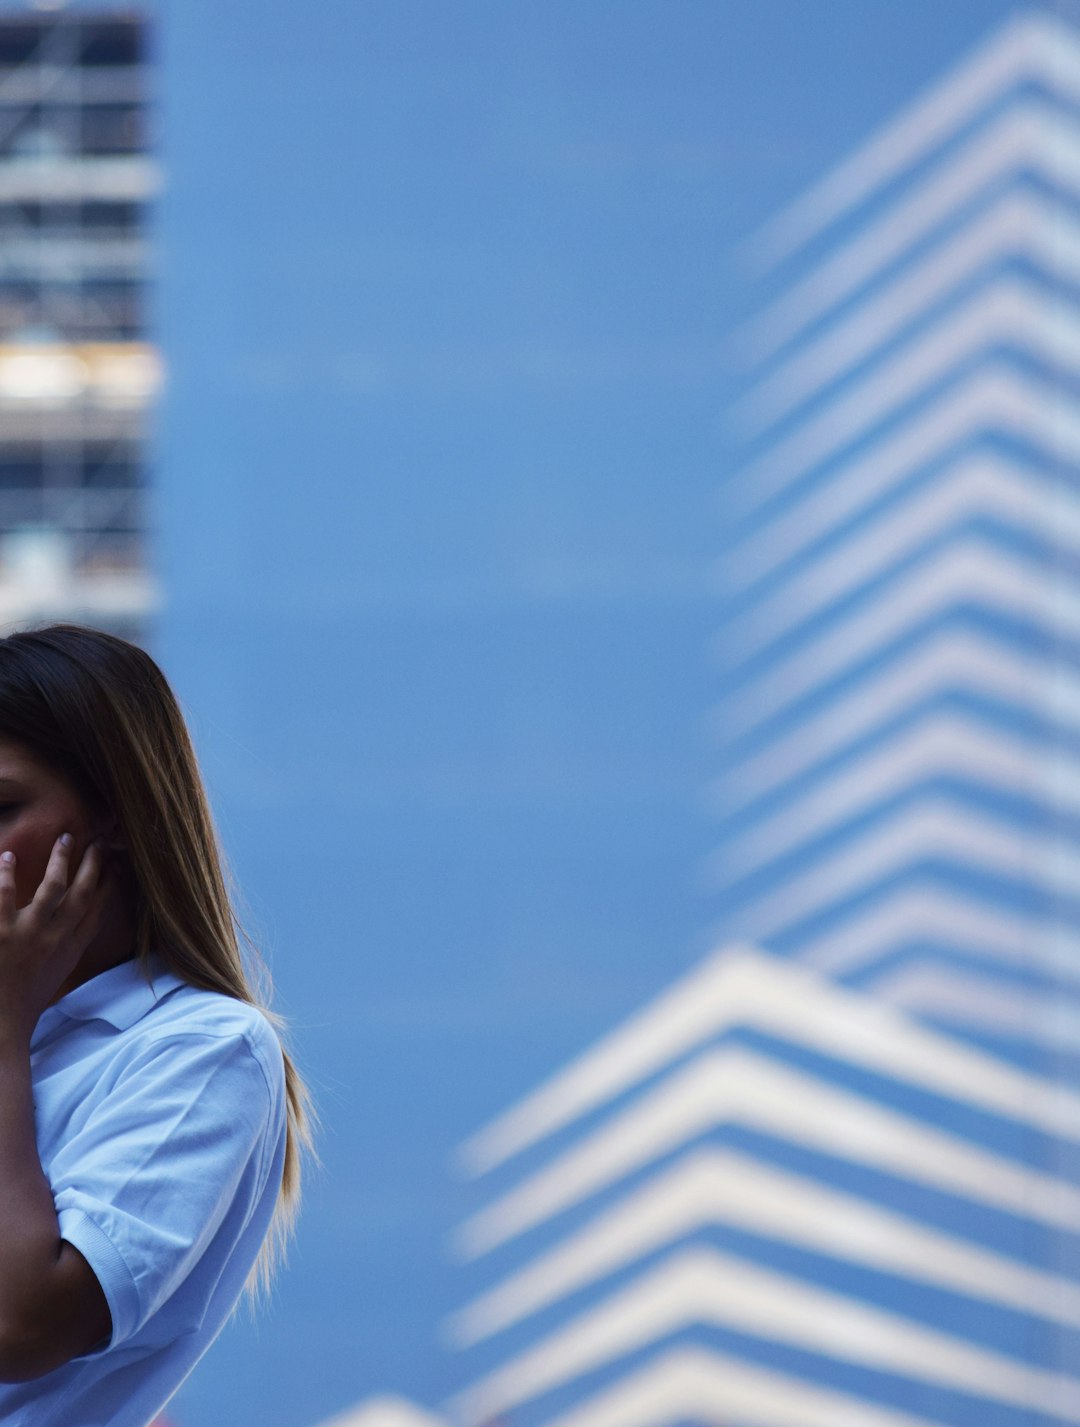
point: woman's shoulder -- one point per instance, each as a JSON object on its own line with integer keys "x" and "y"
{"x": 187, "y": 1012}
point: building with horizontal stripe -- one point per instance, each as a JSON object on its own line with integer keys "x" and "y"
{"x": 829, "y": 1177}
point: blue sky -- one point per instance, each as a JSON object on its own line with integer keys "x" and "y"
{"x": 444, "y": 290}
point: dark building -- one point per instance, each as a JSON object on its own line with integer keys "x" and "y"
{"x": 77, "y": 375}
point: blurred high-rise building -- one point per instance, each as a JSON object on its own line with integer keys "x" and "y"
{"x": 900, "y": 761}
{"x": 830, "y": 1177}
{"x": 78, "y": 374}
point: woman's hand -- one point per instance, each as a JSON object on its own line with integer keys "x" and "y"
{"x": 42, "y": 943}
{"x": 52, "y": 1306}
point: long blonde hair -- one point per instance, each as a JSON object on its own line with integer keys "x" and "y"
{"x": 100, "y": 711}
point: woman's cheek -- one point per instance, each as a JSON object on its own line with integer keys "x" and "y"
{"x": 31, "y": 859}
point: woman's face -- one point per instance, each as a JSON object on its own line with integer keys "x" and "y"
{"x": 37, "y": 804}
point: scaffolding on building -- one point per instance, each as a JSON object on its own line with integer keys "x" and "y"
{"x": 78, "y": 376}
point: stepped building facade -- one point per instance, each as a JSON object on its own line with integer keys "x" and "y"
{"x": 830, "y": 1177}
{"x": 78, "y": 375}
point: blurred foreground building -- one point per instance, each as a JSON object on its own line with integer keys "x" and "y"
{"x": 769, "y": 1199}
{"x": 830, "y": 1179}
{"x": 77, "y": 374}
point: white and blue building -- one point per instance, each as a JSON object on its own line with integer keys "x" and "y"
{"x": 830, "y": 1177}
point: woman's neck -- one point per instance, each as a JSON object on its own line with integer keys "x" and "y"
{"x": 114, "y": 940}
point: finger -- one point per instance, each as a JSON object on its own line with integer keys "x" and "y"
{"x": 86, "y": 882}
{"x": 54, "y": 883}
{"x": 7, "y": 888}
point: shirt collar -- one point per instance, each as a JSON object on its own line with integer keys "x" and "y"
{"x": 122, "y": 995}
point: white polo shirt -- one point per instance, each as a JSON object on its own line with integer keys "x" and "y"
{"x": 161, "y": 1118}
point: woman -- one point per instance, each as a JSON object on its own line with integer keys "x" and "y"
{"x": 150, "y": 1122}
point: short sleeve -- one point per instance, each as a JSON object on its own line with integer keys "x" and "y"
{"x": 173, "y": 1157}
